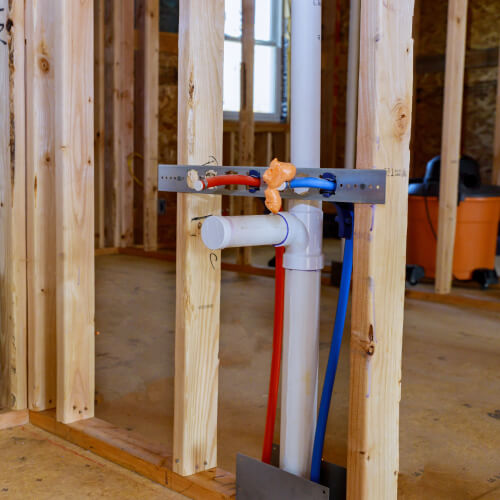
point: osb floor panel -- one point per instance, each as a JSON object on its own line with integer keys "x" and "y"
{"x": 38, "y": 465}
{"x": 450, "y": 410}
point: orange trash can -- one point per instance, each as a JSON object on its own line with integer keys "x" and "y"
{"x": 475, "y": 237}
{"x": 478, "y": 214}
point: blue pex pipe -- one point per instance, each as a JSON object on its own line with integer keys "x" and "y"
{"x": 333, "y": 359}
{"x": 312, "y": 182}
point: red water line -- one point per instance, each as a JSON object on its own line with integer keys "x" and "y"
{"x": 279, "y": 304}
{"x": 231, "y": 179}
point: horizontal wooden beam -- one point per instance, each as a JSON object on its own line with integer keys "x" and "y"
{"x": 478, "y": 58}
{"x": 169, "y": 42}
{"x": 454, "y": 300}
{"x": 136, "y": 454}
{"x": 234, "y": 125}
{"x": 13, "y": 418}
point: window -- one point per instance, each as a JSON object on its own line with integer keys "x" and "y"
{"x": 267, "y": 60}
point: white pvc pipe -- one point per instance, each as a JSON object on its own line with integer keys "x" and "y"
{"x": 243, "y": 231}
{"x": 299, "y": 385}
{"x": 302, "y": 288}
{"x": 305, "y": 84}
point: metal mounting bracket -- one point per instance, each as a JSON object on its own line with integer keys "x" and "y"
{"x": 353, "y": 185}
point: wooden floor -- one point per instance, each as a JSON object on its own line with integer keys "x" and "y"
{"x": 39, "y": 465}
{"x": 450, "y": 410}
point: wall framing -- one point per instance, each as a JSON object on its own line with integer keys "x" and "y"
{"x": 384, "y": 124}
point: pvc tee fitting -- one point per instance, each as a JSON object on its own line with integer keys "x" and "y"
{"x": 284, "y": 229}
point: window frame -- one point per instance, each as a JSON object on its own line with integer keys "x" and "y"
{"x": 276, "y": 41}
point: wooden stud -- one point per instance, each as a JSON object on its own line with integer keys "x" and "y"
{"x": 232, "y": 146}
{"x": 148, "y": 57}
{"x": 384, "y": 118}
{"x": 99, "y": 107}
{"x": 246, "y": 147}
{"x": 269, "y": 147}
{"x": 450, "y": 142}
{"x": 13, "y": 377}
{"x": 41, "y": 204}
{"x": 123, "y": 123}
{"x": 201, "y": 45}
{"x": 495, "y": 175}
{"x": 74, "y": 146}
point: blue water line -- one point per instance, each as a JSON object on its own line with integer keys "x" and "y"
{"x": 333, "y": 359}
{"x": 312, "y": 182}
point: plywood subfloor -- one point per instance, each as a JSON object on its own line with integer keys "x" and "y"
{"x": 450, "y": 411}
{"x": 38, "y": 465}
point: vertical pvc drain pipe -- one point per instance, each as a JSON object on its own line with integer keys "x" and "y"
{"x": 303, "y": 279}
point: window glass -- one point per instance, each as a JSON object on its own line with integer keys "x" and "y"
{"x": 267, "y": 59}
{"x": 264, "y": 86}
{"x": 263, "y": 20}
{"x": 232, "y": 65}
{"x": 232, "y": 22}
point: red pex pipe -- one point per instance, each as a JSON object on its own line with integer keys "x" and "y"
{"x": 279, "y": 304}
{"x": 231, "y": 179}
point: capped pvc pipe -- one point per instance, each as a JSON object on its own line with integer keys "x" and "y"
{"x": 243, "y": 231}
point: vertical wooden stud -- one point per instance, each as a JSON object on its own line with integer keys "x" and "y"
{"x": 269, "y": 147}
{"x": 148, "y": 25}
{"x": 40, "y": 204}
{"x": 384, "y": 118}
{"x": 123, "y": 122}
{"x": 13, "y": 377}
{"x": 246, "y": 118}
{"x": 450, "y": 142}
{"x": 99, "y": 107}
{"x": 201, "y": 45}
{"x": 74, "y": 146}
{"x": 495, "y": 175}
{"x": 232, "y": 147}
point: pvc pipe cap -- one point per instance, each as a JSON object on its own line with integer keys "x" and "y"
{"x": 216, "y": 232}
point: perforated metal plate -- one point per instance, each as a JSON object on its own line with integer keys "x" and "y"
{"x": 353, "y": 185}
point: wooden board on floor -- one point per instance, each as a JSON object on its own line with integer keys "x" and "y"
{"x": 131, "y": 451}
{"x": 13, "y": 418}
{"x": 384, "y": 119}
{"x": 74, "y": 145}
{"x": 13, "y": 376}
{"x": 450, "y": 142}
{"x": 200, "y": 116}
{"x": 41, "y": 204}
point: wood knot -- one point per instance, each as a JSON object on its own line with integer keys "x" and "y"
{"x": 401, "y": 114}
{"x": 44, "y": 65}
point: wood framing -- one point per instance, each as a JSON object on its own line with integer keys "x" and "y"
{"x": 13, "y": 418}
{"x": 384, "y": 118}
{"x": 74, "y": 146}
{"x": 13, "y": 377}
{"x": 122, "y": 196}
{"x": 495, "y": 174}
{"x": 201, "y": 45}
{"x": 147, "y": 78}
{"x": 246, "y": 144}
{"x": 99, "y": 123}
{"x": 135, "y": 453}
{"x": 450, "y": 142}
{"x": 41, "y": 203}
